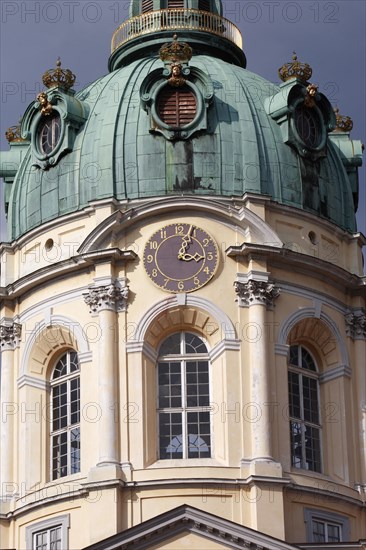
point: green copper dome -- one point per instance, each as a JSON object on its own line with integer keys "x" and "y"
{"x": 238, "y": 134}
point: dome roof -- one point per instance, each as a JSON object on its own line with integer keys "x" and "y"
{"x": 238, "y": 148}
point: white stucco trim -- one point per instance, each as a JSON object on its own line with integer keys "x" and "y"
{"x": 53, "y": 321}
{"x": 309, "y": 313}
{"x": 224, "y": 322}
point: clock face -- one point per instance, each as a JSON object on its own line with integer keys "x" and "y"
{"x": 180, "y": 257}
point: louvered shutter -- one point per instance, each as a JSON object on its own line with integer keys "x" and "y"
{"x": 175, "y": 4}
{"x": 204, "y": 5}
{"x": 177, "y": 107}
{"x": 147, "y": 5}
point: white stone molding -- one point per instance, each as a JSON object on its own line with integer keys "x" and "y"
{"x": 254, "y": 292}
{"x": 356, "y": 324}
{"x": 110, "y": 297}
{"x": 10, "y": 334}
{"x": 33, "y": 382}
{"x": 223, "y": 210}
{"x": 337, "y": 372}
{"x": 144, "y": 348}
{"x": 222, "y": 347}
{"x": 223, "y": 321}
{"x": 34, "y": 337}
{"x": 311, "y": 313}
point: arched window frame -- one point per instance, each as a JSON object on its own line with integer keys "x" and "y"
{"x": 304, "y": 410}
{"x": 181, "y": 367}
{"x": 65, "y": 416}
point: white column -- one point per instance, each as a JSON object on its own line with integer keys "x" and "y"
{"x": 106, "y": 301}
{"x": 10, "y": 333}
{"x": 258, "y": 295}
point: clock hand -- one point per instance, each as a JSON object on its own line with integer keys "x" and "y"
{"x": 188, "y": 257}
{"x": 185, "y": 242}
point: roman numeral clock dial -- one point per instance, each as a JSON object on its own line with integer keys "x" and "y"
{"x": 180, "y": 257}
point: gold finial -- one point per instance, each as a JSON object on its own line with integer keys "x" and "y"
{"x": 13, "y": 134}
{"x": 343, "y": 123}
{"x": 295, "y": 69}
{"x": 176, "y": 51}
{"x": 59, "y": 77}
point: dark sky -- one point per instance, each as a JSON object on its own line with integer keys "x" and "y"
{"x": 330, "y": 36}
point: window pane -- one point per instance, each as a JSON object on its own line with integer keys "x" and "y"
{"x": 294, "y": 394}
{"x": 199, "y": 440}
{"x": 75, "y": 400}
{"x": 194, "y": 344}
{"x": 312, "y": 449}
{"x": 294, "y": 356}
{"x": 171, "y": 346}
{"x": 296, "y": 444}
{"x": 40, "y": 541}
{"x": 61, "y": 368}
{"x": 59, "y": 405}
{"x": 59, "y": 455}
{"x": 75, "y": 451}
{"x": 334, "y": 533}
{"x": 197, "y": 384}
{"x": 318, "y": 531}
{"x": 310, "y": 396}
{"x": 307, "y": 361}
{"x": 170, "y": 432}
{"x": 74, "y": 365}
{"x": 170, "y": 385}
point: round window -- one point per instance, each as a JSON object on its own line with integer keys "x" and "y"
{"x": 177, "y": 107}
{"x": 308, "y": 126}
{"x": 49, "y": 133}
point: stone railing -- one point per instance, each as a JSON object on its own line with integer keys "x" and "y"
{"x": 173, "y": 20}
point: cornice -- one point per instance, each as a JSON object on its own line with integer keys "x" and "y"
{"x": 65, "y": 267}
{"x": 301, "y": 263}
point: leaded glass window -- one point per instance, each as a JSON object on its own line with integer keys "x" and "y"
{"x": 65, "y": 422}
{"x": 184, "y": 397}
{"x": 49, "y": 133}
{"x": 305, "y": 431}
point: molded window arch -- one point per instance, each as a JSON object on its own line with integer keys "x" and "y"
{"x": 65, "y": 416}
{"x": 183, "y": 397}
{"x": 304, "y": 410}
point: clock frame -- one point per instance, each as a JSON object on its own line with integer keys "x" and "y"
{"x": 180, "y": 257}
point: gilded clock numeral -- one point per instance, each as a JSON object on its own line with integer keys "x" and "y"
{"x": 209, "y": 256}
{"x": 163, "y": 234}
{"x": 197, "y": 281}
{"x": 150, "y": 258}
{"x": 166, "y": 281}
{"x": 181, "y": 285}
{"x": 205, "y": 243}
{"x": 179, "y": 230}
{"x": 207, "y": 270}
{"x": 153, "y": 245}
{"x": 154, "y": 273}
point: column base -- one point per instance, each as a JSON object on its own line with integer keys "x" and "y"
{"x": 263, "y": 466}
{"x": 106, "y": 471}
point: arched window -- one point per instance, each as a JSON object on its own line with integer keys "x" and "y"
{"x": 305, "y": 428}
{"x": 65, "y": 420}
{"x": 183, "y": 398}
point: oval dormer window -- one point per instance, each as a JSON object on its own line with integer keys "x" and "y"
{"x": 49, "y": 133}
{"x": 308, "y": 126}
{"x": 177, "y": 107}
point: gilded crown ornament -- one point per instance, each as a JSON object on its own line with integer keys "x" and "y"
{"x": 63, "y": 78}
{"x": 295, "y": 69}
{"x": 176, "y": 51}
{"x": 13, "y": 134}
{"x": 343, "y": 123}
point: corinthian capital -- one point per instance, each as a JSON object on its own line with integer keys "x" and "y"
{"x": 256, "y": 292}
{"x": 10, "y": 334}
{"x": 111, "y": 297}
{"x": 356, "y": 324}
